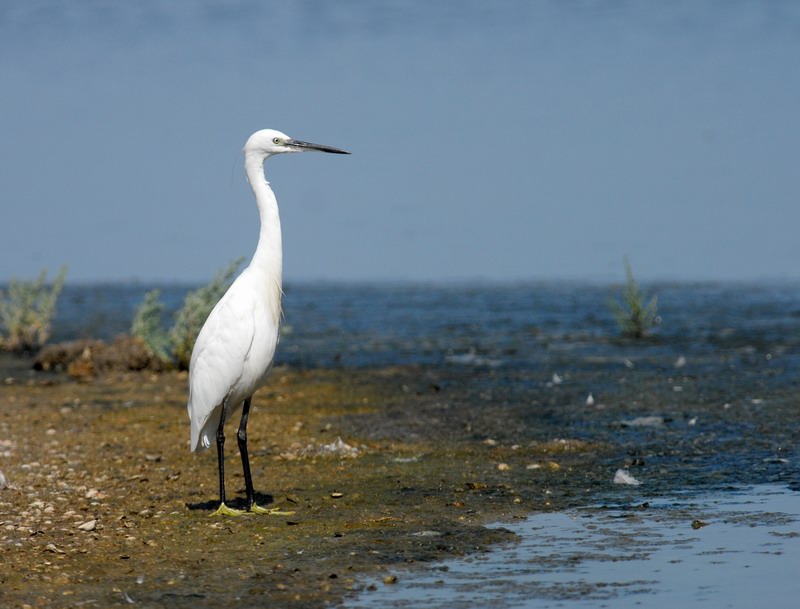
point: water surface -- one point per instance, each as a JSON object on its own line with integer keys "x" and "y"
{"x": 738, "y": 549}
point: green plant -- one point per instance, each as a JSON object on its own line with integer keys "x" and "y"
{"x": 27, "y": 311}
{"x": 634, "y": 317}
{"x": 176, "y": 345}
{"x": 147, "y": 325}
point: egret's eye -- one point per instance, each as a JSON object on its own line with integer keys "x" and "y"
{"x": 276, "y": 140}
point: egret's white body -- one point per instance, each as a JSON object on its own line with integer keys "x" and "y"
{"x": 234, "y": 352}
{"x": 235, "y": 349}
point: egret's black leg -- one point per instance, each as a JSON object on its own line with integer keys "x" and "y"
{"x": 221, "y": 452}
{"x": 241, "y": 437}
{"x": 223, "y": 509}
{"x": 248, "y": 479}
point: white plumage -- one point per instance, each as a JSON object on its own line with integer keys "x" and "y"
{"x": 235, "y": 349}
{"x": 233, "y": 354}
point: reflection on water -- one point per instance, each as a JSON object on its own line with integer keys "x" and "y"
{"x": 738, "y": 549}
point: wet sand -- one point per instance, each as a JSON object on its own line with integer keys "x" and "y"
{"x": 106, "y": 506}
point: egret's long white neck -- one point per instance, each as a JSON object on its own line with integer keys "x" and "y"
{"x": 268, "y": 258}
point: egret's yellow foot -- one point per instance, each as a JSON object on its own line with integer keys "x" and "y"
{"x": 271, "y": 511}
{"x": 224, "y": 510}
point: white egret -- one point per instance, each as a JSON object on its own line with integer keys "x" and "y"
{"x": 234, "y": 351}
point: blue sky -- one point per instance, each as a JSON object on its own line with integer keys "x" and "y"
{"x": 505, "y": 140}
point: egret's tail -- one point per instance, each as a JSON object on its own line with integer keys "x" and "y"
{"x": 203, "y": 430}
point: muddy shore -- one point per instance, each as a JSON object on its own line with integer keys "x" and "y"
{"x": 105, "y": 505}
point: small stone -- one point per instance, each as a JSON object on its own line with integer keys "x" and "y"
{"x": 427, "y": 533}
{"x": 337, "y": 495}
{"x": 503, "y": 467}
{"x": 3, "y": 481}
{"x": 90, "y": 525}
{"x": 623, "y": 476}
{"x": 390, "y": 579}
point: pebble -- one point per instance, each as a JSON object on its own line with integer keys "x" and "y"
{"x": 427, "y": 533}
{"x": 3, "y": 481}
{"x": 646, "y": 421}
{"x": 503, "y": 467}
{"x": 390, "y": 579}
{"x": 622, "y": 476}
{"x": 90, "y": 525}
{"x": 337, "y": 495}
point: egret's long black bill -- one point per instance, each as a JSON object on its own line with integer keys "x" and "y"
{"x": 320, "y": 147}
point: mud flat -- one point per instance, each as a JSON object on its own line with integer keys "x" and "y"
{"x": 384, "y": 469}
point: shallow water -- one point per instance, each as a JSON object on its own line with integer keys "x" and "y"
{"x": 515, "y": 326}
{"x": 741, "y": 552}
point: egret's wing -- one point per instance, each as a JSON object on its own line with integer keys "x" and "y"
{"x": 217, "y": 364}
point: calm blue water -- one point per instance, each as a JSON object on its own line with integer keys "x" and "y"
{"x": 516, "y": 326}
{"x": 503, "y": 139}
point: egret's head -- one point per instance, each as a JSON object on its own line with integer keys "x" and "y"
{"x": 268, "y": 141}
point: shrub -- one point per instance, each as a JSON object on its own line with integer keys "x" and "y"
{"x": 27, "y": 311}
{"x": 634, "y": 317}
{"x": 147, "y": 325}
